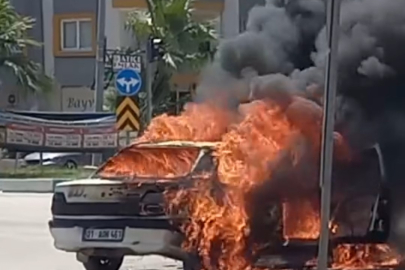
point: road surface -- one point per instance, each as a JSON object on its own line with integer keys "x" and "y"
{"x": 25, "y": 242}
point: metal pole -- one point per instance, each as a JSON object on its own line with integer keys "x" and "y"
{"x": 148, "y": 77}
{"x": 331, "y": 71}
{"x": 99, "y": 70}
{"x": 16, "y": 161}
{"x": 41, "y": 161}
{"x": 177, "y": 101}
{"x": 149, "y": 91}
{"x": 127, "y": 138}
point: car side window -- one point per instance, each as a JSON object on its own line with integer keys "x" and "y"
{"x": 205, "y": 163}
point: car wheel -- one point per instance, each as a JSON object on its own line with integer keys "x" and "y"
{"x": 103, "y": 263}
{"x": 70, "y": 164}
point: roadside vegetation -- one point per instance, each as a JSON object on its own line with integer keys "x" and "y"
{"x": 14, "y": 45}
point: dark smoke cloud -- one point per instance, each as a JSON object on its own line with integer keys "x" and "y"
{"x": 288, "y": 38}
{"x": 283, "y": 52}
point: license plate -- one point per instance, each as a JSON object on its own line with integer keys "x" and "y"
{"x": 113, "y": 235}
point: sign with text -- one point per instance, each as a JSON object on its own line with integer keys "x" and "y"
{"x": 24, "y": 134}
{"x": 120, "y": 60}
{"x": 100, "y": 137}
{"x": 77, "y": 99}
{"x": 63, "y": 137}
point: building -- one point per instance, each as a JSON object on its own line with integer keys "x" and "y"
{"x": 67, "y": 30}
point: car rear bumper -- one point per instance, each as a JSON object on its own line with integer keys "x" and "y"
{"x": 136, "y": 241}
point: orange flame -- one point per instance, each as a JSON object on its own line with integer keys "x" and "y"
{"x": 250, "y": 139}
{"x": 199, "y": 122}
{"x": 165, "y": 163}
{"x": 366, "y": 256}
{"x": 301, "y": 220}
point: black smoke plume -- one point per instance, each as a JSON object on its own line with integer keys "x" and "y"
{"x": 283, "y": 50}
{"x": 288, "y": 38}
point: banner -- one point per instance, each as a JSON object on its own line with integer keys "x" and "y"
{"x": 102, "y": 137}
{"x": 63, "y": 137}
{"x": 20, "y": 134}
{"x": 25, "y": 133}
{"x": 2, "y": 135}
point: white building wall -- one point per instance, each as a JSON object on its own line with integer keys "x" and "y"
{"x": 113, "y": 22}
{"x": 116, "y": 34}
{"x": 127, "y": 38}
{"x": 230, "y": 18}
{"x": 47, "y": 24}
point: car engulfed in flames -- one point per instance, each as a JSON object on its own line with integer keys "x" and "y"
{"x": 238, "y": 192}
{"x": 294, "y": 225}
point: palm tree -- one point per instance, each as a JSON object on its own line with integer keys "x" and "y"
{"x": 186, "y": 42}
{"x": 14, "y": 42}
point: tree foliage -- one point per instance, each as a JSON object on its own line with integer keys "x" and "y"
{"x": 14, "y": 42}
{"x": 186, "y": 41}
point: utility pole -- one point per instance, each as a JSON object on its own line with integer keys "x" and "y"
{"x": 149, "y": 94}
{"x": 153, "y": 52}
{"x": 149, "y": 58}
{"x": 331, "y": 72}
{"x": 99, "y": 70}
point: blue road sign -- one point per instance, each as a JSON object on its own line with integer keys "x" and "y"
{"x": 128, "y": 82}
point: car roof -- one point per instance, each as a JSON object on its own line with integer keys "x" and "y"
{"x": 161, "y": 145}
{"x": 170, "y": 144}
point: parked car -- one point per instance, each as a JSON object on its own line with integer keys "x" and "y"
{"x": 103, "y": 219}
{"x": 63, "y": 160}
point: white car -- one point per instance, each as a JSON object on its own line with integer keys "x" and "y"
{"x": 103, "y": 220}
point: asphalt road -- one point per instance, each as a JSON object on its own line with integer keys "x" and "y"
{"x": 25, "y": 242}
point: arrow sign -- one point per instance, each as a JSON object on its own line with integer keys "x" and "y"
{"x": 128, "y": 122}
{"x": 128, "y": 82}
{"x": 128, "y": 114}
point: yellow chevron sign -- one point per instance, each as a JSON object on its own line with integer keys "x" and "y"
{"x": 128, "y": 114}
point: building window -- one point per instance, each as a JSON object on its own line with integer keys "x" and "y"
{"x": 75, "y": 35}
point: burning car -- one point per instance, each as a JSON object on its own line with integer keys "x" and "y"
{"x": 129, "y": 207}
{"x": 111, "y": 215}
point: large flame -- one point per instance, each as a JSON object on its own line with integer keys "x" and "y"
{"x": 199, "y": 122}
{"x": 250, "y": 139}
{"x": 243, "y": 158}
{"x": 163, "y": 163}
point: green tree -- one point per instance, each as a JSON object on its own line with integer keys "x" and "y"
{"x": 186, "y": 42}
{"x": 14, "y": 42}
{"x": 110, "y": 99}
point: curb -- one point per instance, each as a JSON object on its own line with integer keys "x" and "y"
{"x": 34, "y": 185}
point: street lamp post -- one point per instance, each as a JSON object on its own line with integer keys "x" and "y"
{"x": 331, "y": 72}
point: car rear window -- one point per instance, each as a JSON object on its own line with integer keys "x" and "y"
{"x": 150, "y": 162}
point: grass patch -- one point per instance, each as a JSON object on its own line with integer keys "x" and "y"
{"x": 38, "y": 172}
